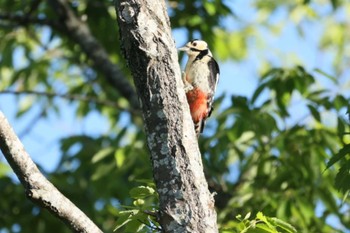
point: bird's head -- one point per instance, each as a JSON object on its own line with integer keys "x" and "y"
{"x": 195, "y": 47}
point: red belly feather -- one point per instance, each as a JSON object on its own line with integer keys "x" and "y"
{"x": 197, "y": 101}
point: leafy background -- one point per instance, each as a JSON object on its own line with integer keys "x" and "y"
{"x": 277, "y": 144}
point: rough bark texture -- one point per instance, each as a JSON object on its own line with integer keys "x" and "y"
{"x": 37, "y": 187}
{"x": 186, "y": 205}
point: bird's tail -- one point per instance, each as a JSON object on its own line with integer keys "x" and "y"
{"x": 198, "y": 127}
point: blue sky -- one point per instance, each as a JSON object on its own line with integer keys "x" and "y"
{"x": 237, "y": 77}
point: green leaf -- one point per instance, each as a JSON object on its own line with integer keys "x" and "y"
{"x": 195, "y": 20}
{"x": 328, "y": 198}
{"x": 340, "y": 102}
{"x": 134, "y": 226}
{"x": 124, "y": 217}
{"x": 282, "y": 101}
{"x": 102, "y": 170}
{"x": 148, "y": 182}
{"x": 119, "y": 157}
{"x": 141, "y": 192}
{"x": 263, "y": 218}
{"x": 247, "y": 216}
{"x": 263, "y": 228}
{"x": 272, "y": 73}
{"x": 258, "y": 91}
{"x": 342, "y": 178}
{"x": 340, "y": 155}
{"x": 7, "y": 51}
{"x": 340, "y": 127}
{"x": 138, "y": 223}
{"x": 210, "y": 8}
{"x": 102, "y": 154}
{"x": 335, "y": 4}
{"x": 25, "y": 105}
{"x": 4, "y": 169}
{"x": 314, "y": 112}
{"x": 284, "y": 225}
{"x": 231, "y": 45}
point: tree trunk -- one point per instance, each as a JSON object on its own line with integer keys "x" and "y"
{"x": 186, "y": 204}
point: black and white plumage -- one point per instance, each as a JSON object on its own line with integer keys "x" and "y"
{"x": 200, "y": 78}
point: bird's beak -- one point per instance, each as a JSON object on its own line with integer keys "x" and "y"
{"x": 185, "y": 48}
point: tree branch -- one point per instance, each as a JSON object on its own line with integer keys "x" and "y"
{"x": 69, "y": 24}
{"x": 37, "y": 188}
{"x": 31, "y": 124}
{"x": 186, "y": 205}
{"x": 81, "y": 34}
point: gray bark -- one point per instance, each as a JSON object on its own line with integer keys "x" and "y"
{"x": 37, "y": 188}
{"x": 186, "y": 205}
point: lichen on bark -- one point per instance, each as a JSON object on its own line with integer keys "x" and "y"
{"x": 186, "y": 205}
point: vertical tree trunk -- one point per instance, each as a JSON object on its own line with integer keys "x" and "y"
{"x": 186, "y": 205}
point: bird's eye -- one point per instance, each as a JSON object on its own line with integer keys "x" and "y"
{"x": 194, "y": 44}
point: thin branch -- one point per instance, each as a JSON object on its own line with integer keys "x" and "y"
{"x": 37, "y": 188}
{"x": 32, "y": 123}
{"x": 70, "y": 25}
{"x": 79, "y": 31}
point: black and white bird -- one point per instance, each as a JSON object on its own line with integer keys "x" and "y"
{"x": 200, "y": 78}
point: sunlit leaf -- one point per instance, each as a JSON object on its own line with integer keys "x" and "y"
{"x": 102, "y": 154}
{"x": 25, "y": 105}
{"x": 124, "y": 217}
{"x": 283, "y": 225}
{"x": 119, "y": 157}
{"x": 141, "y": 192}
{"x": 102, "y": 170}
{"x": 4, "y": 169}
{"x": 210, "y": 8}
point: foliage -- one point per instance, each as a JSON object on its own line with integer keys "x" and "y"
{"x": 261, "y": 224}
{"x": 282, "y": 151}
{"x": 142, "y": 216}
{"x": 281, "y": 163}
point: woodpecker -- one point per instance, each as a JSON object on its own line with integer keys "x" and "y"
{"x": 200, "y": 78}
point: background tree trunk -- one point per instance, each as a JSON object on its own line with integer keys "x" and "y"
{"x": 186, "y": 205}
